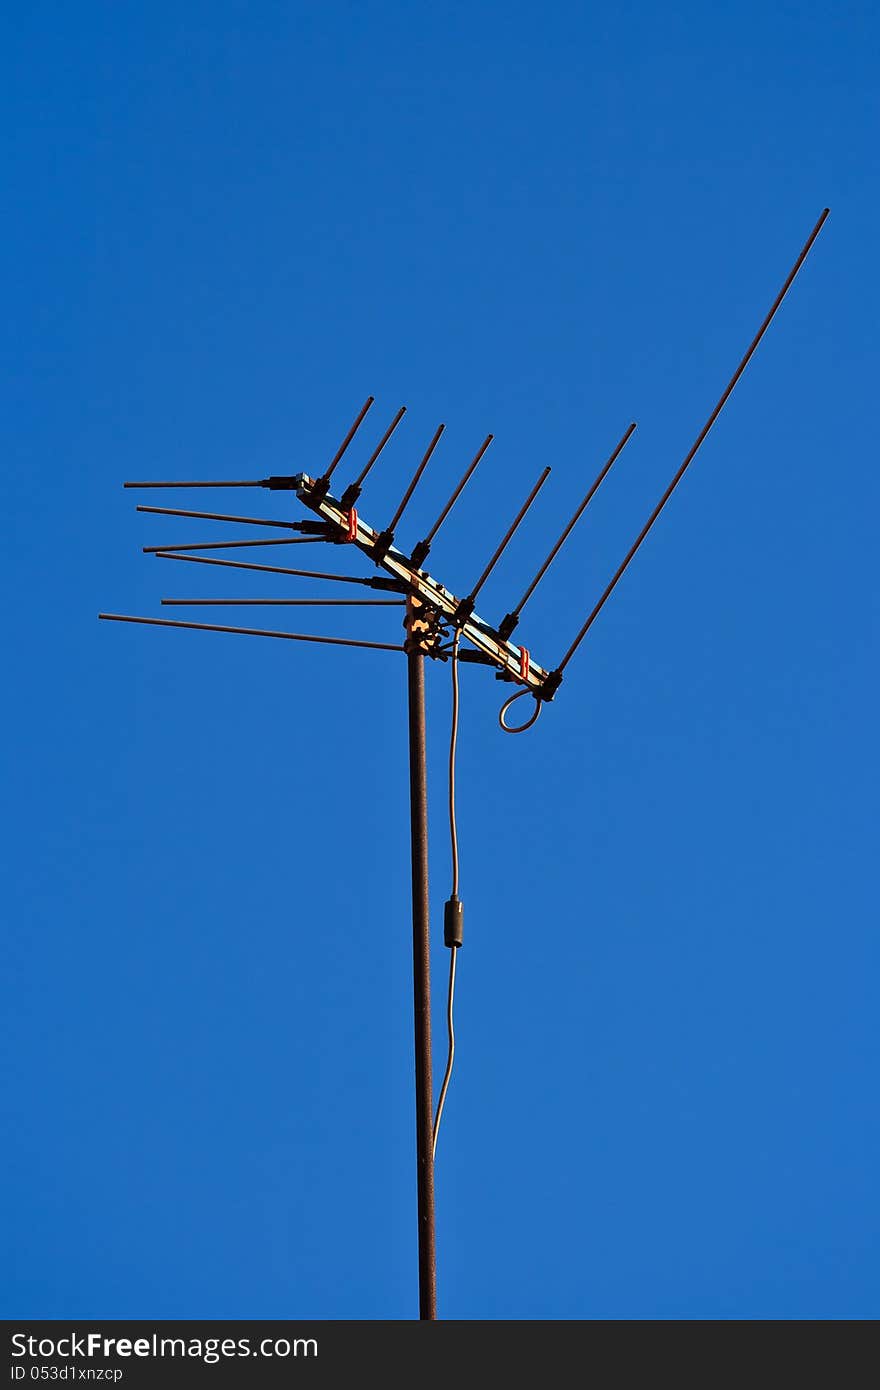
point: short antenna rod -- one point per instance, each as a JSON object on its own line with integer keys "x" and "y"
{"x": 466, "y": 607}
{"x": 283, "y": 602}
{"x": 225, "y": 516}
{"x": 323, "y": 483}
{"x": 232, "y": 545}
{"x": 252, "y": 632}
{"x": 404, "y": 501}
{"x": 353, "y": 491}
{"x": 385, "y": 539}
{"x": 421, "y": 551}
{"x": 509, "y": 622}
{"x": 225, "y": 482}
{"x": 374, "y": 582}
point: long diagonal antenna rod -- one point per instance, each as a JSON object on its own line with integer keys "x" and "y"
{"x": 694, "y": 447}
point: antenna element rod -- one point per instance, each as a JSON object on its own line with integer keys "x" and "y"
{"x": 283, "y": 602}
{"x": 273, "y": 569}
{"x": 352, "y": 493}
{"x": 222, "y": 516}
{"x": 416, "y": 476}
{"x": 230, "y": 545}
{"x": 508, "y": 536}
{"x": 510, "y": 621}
{"x": 695, "y": 446}
{"x": 349, "y": 437}
{"x": 250, "y": 632}
{"x": 252, "y": 482}
{"x": 424, "y": 546}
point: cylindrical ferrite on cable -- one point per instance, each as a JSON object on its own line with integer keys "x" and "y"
{"x": 453, "y": 921}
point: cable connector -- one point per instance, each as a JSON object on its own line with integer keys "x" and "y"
{"x": 507, "y": 624}
{"x": 453, "y": 921}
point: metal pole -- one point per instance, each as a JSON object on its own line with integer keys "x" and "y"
{"x": 421, "y": 968}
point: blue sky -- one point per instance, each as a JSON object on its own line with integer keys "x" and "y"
{"x": 225, "y": 225}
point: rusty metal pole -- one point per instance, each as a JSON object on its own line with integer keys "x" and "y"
{"x": 421, "y": 965}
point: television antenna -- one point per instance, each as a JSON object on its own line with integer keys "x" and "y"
{"x": 436, "y": 623}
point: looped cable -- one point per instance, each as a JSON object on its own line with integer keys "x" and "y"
{"x": 518, "y": 728}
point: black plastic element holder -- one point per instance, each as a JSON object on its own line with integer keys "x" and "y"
{"x": 382, "y": 545}
{"x": 476, "y": 658}
{"x": 350, "y": 496}
{"x": 550, "y": 686}
{"x": 392, "y": 586}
